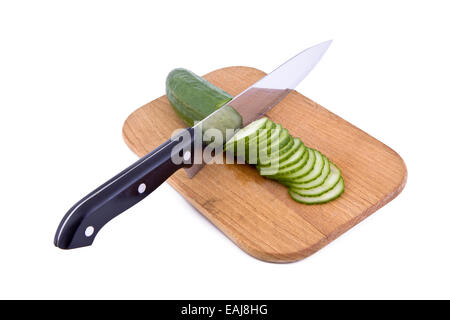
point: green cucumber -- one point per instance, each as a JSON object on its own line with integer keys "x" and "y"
{"x": 328, "y": 184}
{"x": 192, "y": 97}
{"x": 314, "y": 183}
{"x": 331, "y": 194}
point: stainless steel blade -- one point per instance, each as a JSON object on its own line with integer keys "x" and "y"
{"x": 261, "y": 97}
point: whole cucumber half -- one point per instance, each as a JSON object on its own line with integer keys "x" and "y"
{"x": 192, "y": 97}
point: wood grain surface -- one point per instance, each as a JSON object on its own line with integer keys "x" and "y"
{"x": 256, "y": 213}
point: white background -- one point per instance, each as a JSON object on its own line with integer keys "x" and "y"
{"x": 72, "y": 71}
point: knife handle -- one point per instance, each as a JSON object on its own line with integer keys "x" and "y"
{"x": 83, "y": 221}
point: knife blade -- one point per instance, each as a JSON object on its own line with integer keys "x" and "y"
{"x": 263, "y": 95}
{"x": 83, "y": 221}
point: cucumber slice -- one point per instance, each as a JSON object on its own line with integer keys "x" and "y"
{"x": 240, "y": 148}
{"x": 309, "y": 175}
{"x": 270, "y": 125}
{"x": 283, "y": 150}
{"x": 314, "y": 183}
{"x": 295, "y": 158}
{"x": 301, "y": 158}
{"x": 331, "y": 194}
{"x": 328, "y": 184}
{"x": 287, "y": 151}
{"x": 303, "y": 171}
{"x": 247, "y": 133}
{"x": 283, "y": 140}
{"x": 263, "y": 135}
{"x": 315, "y": 172}
{"x": 260, "y": 142}
{"x": 277, "y": 141}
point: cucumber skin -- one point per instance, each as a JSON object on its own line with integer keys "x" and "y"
{"x": 286, "y": 176}
{"x": 285, "y": 153}
{"x": 293, "y": 189}
{"x": 319, "y": 202}
{"x": 270, "y": 124}
{"x": 291, "y": 167}
{"x": 292, "y": 184}
{"x": 310, "y": 179}
{"x": 261, "y": 139}
{"x": 279, "y": 141}
{"x": 232, "y": 145}
{"x": 192, "y": 97}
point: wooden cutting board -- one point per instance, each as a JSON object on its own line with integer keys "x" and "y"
{"x": 256, "y": 213}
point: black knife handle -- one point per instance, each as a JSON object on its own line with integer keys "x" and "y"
{"x": 83, "y": 221}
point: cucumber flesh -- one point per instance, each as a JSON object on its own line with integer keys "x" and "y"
{"x": 287, "y": 151}
{"x": 255, "y": 145}
{"x": 295, "y": 158}
{"x": 263, "y": 135}
{"x": 293, "y": 163}
{"x": 314, "y": 183}
{"x": 251, "y": 129}
{"x": 302, "y": 171}
{"x": 270, "y": 124}
{"x": 247, "y": 133}
{"x": 331, "y": 194}
{"x": 277, "y": 141}
{"x": 328, "y": 184}
{"x": 316, "y": 170}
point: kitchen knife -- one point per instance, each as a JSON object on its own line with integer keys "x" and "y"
{"x": 83, "y": 221}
